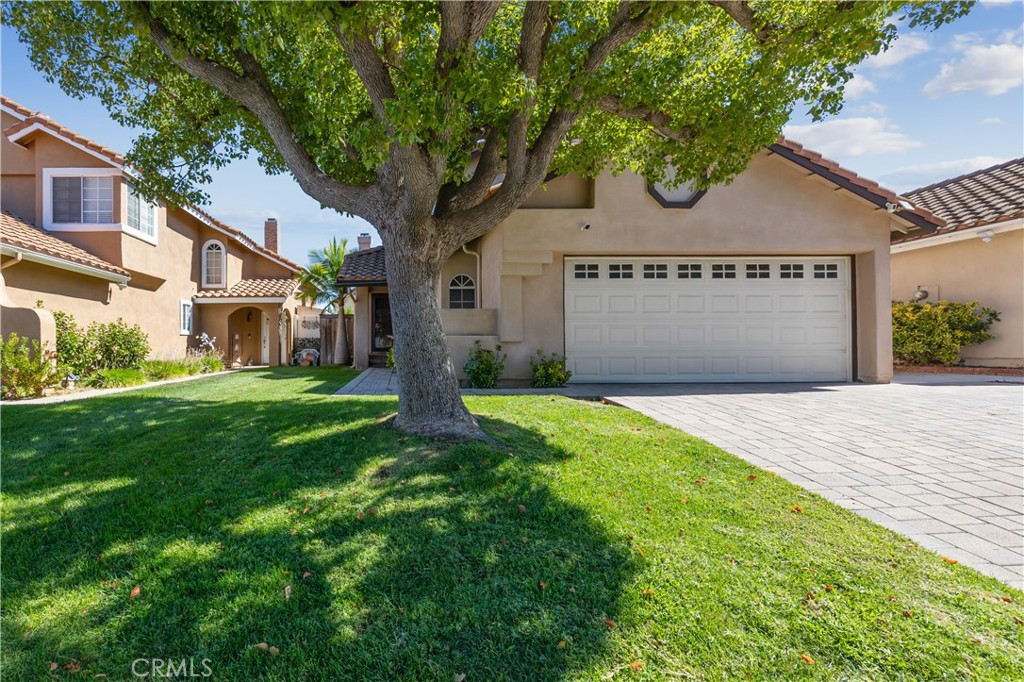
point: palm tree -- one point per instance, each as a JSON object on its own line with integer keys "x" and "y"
{"x": 319, "y": 283}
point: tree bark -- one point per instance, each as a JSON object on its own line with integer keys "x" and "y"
{"x": 429, "y": 402}
{"x": 340, "y": 341}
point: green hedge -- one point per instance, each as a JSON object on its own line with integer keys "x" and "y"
{"x": 26, "y": 370}
{"x": 936, "y": 333}
{"x": 111, "y": 345}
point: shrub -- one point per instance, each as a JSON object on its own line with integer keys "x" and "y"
{"x": 390, "y": 359}
{"x": 116, "y": 378}
{"x": 111, "y": 345}
{"x": 158, "y": 370}
{"x": 935, "y": 333}
{"x": 548, "y": 371}
{"x": 209, "y": 364}
{"x": 26, "y": 370}
{"x": 484, "y": 366}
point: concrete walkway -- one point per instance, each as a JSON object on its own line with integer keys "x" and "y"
{"x": 938, "y": 458}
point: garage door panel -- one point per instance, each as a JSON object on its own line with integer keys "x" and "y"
{"x": 709, "y": 319}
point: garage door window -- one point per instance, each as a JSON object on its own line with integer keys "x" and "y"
{"x": 689, "y": 271}
{"x": 791, "y": 270}
{"x": 655, "y": 270}
{"x": 758, "y": 271}
{"x": 826, "y": 271}
{"x": 620, "y": 271}
{"x": 723, "y": 271}
{"x": 586, "y": 271}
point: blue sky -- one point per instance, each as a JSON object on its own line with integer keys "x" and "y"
{"x": 934, "y": 106}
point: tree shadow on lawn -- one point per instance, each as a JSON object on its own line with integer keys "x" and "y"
{"x": 423, "y": 561}
{"x": 324, "y": 380}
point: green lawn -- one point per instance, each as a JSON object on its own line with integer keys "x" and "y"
{"x": 256, "y": 508}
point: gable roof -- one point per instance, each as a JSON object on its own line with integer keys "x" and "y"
{"x": 364, "y": 268}
{"x": 912, "y": 212}
{"x": 984, "y": 197}
{"x": 22, "y": 237}
{"x": 35, "y": 121}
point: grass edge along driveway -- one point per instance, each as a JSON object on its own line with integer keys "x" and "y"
{"x": 255, "y": 522}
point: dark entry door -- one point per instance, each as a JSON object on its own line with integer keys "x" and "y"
{"x": 383, "y": 338}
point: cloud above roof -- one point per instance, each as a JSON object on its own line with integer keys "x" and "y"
{"x": 852, "y": 137}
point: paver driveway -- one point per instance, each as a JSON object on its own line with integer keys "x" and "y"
{"x": 937, "y": 458}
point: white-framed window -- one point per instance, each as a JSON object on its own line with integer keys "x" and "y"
{"x": 79, "y": 199}
{"x": 620, "y": 271}
{"x": 655, "y": 270}
{"x": 689, "y": 271}
{"x": 462, "y": 292}
{"x": 759, "y": 271}
{"x": 586, "y": 271}
{"x": 826, "y": 271}
{"x": 140, "y": 216}
{"x": 215, "y": 264}
{"x": 723, "y": 271}
{"x": 185, "y": 317}
{"x": 791, "y": 270}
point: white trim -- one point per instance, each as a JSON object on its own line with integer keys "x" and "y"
{"x": 224, "y": 266}
{"x": 49, "y": 174}
{"x": 50, "y": 131}
{"x": 53, "y": 261}
{"x": 242, "y": 299}
{"x": 13, "y": 112}
{"x": 155, "y": 216}
{"x": 209, "y": 223}
{"x": 191, "y": 316}
{"x": 958, "y": 236}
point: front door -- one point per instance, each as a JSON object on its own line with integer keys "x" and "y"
{"x": 382, "y": 338}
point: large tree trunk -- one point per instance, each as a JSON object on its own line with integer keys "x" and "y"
{"x": 429, "y": 402}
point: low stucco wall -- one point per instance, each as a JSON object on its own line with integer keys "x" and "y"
{"x": 32, "y": 323}
{"x": 971, "y": 270}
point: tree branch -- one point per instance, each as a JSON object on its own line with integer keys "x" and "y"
{"x": 371, "y": 71}
{"x": 535, "y": 34}
{"x": 660, "y": 121}
{"x": 252, "y": 92}
{"x": 743, "y": 15}
{"x": 489, "y": 166}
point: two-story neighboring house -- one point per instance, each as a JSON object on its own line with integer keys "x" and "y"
{"x": 75, "y": 236}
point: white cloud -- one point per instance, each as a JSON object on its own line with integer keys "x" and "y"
{"x": 858, "y": 87}
{"x": 902, "y": 49}
{"x": 922, "y": 174}
{"x": 989, "y": 69}
{"x": 992, "y": 121}
{"x": 862, "y": 136}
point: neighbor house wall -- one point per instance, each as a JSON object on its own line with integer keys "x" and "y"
{"x": 971, "y": 270}
{"x": 774, "y": 208}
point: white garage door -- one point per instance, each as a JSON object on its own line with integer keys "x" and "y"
{"x": 707, "y": 319}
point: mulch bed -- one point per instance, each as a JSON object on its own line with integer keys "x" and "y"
{"x": 942, "y": 369}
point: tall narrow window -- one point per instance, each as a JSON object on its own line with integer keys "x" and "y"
{"x": 214, "y": 264}
{"x": 462, "y": 292}
{"x": 88, "y": 199}
{"x": 140, "y": 213}
{"x": 185, "y": 317}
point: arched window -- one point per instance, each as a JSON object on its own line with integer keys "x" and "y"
{"x": 462, "y": 292}
{"x": 214, "y": 264}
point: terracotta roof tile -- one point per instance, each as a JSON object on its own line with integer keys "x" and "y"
{"x": 257, "y": 287}
{"x": 11, "y": 104}
{"x": 987, "y": 196}
{"x": 33, "y": 118}
{"x": 17, "y": 232}
{"x": 364, "y": 267}
{"x": 869, "y": 189}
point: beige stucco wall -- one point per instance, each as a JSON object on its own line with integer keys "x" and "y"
{"x": 774, "y": 208}
{"x": 971, "y": 270}
{"x": 162, "y": 274}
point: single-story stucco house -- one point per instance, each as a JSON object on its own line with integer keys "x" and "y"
{"x": 977, "y": 256}
{"x": 782, "y": 275}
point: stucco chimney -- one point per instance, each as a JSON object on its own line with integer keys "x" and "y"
{"x": 364, "y": 241}
{"x": 271, "y": 234}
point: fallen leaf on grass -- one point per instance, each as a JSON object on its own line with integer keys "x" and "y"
{"x": 649, "y": 592}
{"x": 609, "y": 622}
{"x": 288, "y": 592}
{"x": 136, "y": 591}
{"x": 305, "y": 510}
{"x": 1006, "y": 599}
{"x": 1018, "y": 620}
{"x": 522, "y": 508}
{"x": 797, "y": 508}
{"x": 807, "y": 659}
{"x": 636, "y": 665}
{"x": 976, "y": 640}
{"x": 561, "y": 644}
{"x": 752, "y": 477}
{"x": 829, "y": 588}
{"x": 53, "y": 666}
{"x": 950, "y": 561}
{"x": 306, "y": 575}
{"x": 460, "y": 677}
{"x": 908, "y": 614}
{"x": 542, "y": 585}
{"x": 701, "y": 481}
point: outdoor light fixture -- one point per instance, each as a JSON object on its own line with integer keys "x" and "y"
{"x": 920, "y": 294}
{"x": 986, "y": 236}
{"x": 248, "y": 316}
